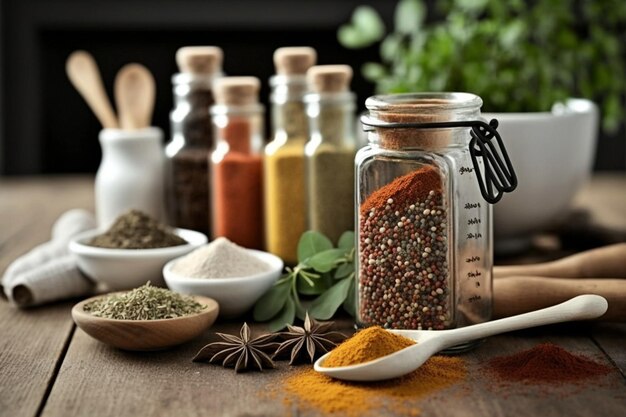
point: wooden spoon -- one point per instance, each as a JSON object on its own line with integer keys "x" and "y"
{"x": 134, "y": 96}
{"x": 605, "y": 262}
{"x": 83, "y": 72}
{"x": 146, "y": 334}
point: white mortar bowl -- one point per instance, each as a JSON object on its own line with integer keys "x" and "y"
{"x": 235, "y": 295}
{"x": 553, "y": 155}
{"x": 125, "y": 269}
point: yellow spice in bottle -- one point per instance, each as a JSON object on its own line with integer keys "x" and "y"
{"x": 285, "y": 200}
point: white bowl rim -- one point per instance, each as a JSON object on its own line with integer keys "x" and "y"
{"x": 194, "y": 239}
{"x": 275, "y": 262}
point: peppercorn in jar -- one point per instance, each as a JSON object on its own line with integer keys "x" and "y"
{"x": 424, "y": 240}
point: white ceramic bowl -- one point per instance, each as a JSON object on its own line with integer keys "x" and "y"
{"x": 235, "y": 295}
{"x": 553, "y": 154}
{"x": 123, "y": 269}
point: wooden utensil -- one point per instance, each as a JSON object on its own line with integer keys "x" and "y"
{"x": 82, "y": 70}
{"x": 515, "y": 295}
{"x": 146, "y": 334}
{"x": 134, "y": 96}
{"x": 605, "y": 262}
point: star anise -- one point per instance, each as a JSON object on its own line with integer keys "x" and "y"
{"x": 239, "y": 352}
{"x": 313, "y": 334}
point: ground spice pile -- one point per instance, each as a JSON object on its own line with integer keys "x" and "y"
{"x": 308, "y": 389}
{"x": 545, "y": 363}
{"x": 144, "y": 303}
{"x": 403, "y": 253}
{"x": 137, "y": 230}
{"x": 365, "y": 346}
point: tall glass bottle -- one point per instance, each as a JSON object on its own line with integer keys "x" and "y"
{"x": 192, "y": 137}
{"x": 237, "y": 162}
{"x": 330, "y": 150}
{"x": 285, "y": 200}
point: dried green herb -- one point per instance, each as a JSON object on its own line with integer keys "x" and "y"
{"x": 241, "y": 352}
{"x": 137, "y": 230}
{"x": 315, "y": 336}
{"x": 144, "y": 303}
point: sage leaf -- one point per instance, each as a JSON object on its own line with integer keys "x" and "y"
{"x": 286, "y": 316}
{"x": 344, "y": 270}
{"x": 325, "y": 306}
{"x": 349, "y": 305}
{"x": 346, "y": 241}
{"x": 326, "y": 260}
{"x": 350, "y": 37}
{"x": 272, "y": 301}
{"x": 311, "y": 243}
{"x": 310, "y": 287}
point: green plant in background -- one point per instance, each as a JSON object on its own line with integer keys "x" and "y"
{"x": 517, "y": 55}
{"x": 323, "y": 271}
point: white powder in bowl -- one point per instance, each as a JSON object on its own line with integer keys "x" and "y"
{"x": 220, "y": 259}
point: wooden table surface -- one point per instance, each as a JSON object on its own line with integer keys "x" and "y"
{"x": 49, "y": 368}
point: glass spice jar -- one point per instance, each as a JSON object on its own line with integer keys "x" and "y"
{"x": 330, "y": 151}
{"x": 192, "y": 137}
{"x": 284, "y": 165}
{"x": 237, "y": 163}
{"x": 424, "y": 187}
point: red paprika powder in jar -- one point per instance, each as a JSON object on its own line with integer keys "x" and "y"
{"x": 236, "y": 162}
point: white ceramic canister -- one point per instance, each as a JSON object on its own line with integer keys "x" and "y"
{"x": 131, "y": 174}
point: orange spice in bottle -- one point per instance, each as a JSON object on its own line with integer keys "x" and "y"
{"x": 237, "y": 163}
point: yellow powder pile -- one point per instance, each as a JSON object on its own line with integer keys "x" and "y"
{"x": 365, "y": 346}
{"x": 308, "y": 389}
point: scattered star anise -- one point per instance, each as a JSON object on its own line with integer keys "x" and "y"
{"x": 315, "y": 335}
{"x": 239, "y": 352}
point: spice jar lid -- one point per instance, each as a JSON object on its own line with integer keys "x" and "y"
{"x": 329, "y": 78}
{"x": 237, "y": 91}
{"x": 199, "y": 59}
{"x": 294, "y": 60}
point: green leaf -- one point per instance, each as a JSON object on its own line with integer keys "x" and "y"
{"x": 311, "y": 243}
{"x": 390, "y": 47}
{"x": 272, "y": 301}
{"x": 368, "y": 23}
{"x": 351, "y": 38}
{"x": 373, "y": 71}
{"x": 310, "y": 287}
{"x": 286, "y": 316}
{"x": 409, "y": 16}
{"x": 344, "y": 270}
{"x": 350, "y": 304}
{"x": 326, "y": 260}
{"x": 325, "y": 306}
{"x": 346, "y": 241}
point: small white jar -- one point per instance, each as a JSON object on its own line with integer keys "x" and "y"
{"x": 131, "y": 174}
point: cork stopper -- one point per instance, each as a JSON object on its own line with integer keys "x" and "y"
{"x": 294, "y": 60}
{"x": 236, "y": 91}
{"x": 199, "y": 59}
{"x": 329, "y": 78}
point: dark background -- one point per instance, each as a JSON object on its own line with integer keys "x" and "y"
{"x": 45, "y": 126}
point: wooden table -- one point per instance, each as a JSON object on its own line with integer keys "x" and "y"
{"x": 49, "y": 368}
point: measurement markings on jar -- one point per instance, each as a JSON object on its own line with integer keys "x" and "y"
{"x": 475, "y": 236}
{"x": 472, "y": 259}
{"x": 474, "y": 274}
{"x": 474, "y": 298}
{"x": 465, "y": 170}
{"x": 469, "y": 206}
{"x": 473, "y": 221}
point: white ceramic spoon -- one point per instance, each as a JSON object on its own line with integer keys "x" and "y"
{"x": 430, "y": 342}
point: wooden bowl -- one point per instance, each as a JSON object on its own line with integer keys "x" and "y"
{"x": 144, "y": 335}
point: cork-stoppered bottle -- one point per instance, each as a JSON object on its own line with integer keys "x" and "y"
{"x": 330, "y": 151}
{"x": 236, "y": 162}
{"x": 285, "y": 199}
{"x": 192, "y": 137}
{"x": 424, "y": 237}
